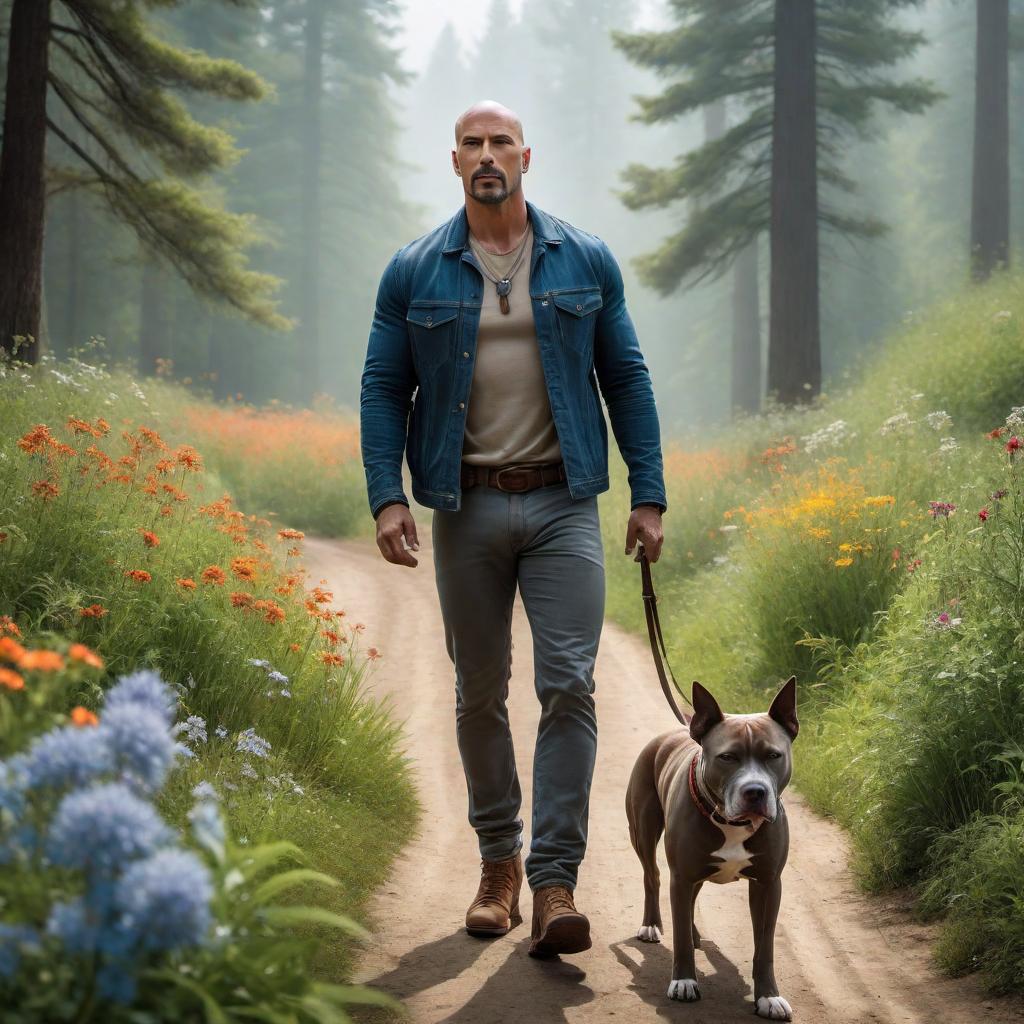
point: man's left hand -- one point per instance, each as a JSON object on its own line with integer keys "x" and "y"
{"x": 645, "y": 526}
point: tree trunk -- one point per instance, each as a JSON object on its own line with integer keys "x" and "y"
{"x": 73, "y": 275}
{"x": 990, "y": 192}
{"x": 746, "y": 333}
{"x": 153, "y": 333}
{"x": 794, "y": 341}
{"x": 311, "y": 146}
{"x": 22, "y": 177}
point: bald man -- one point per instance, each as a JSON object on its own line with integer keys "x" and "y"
{"x": 491, "y": 338}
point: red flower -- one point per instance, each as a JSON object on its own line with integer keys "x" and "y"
{"x": 983, "y": 513}
{"x": 1013, "y": 444}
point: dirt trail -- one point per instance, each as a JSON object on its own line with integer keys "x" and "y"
{"x": 840, "y": 957}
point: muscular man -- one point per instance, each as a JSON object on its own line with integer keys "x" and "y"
{"x": 505, "y": 321}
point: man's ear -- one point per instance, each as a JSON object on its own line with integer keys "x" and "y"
{"x": 783, "y": 709}
{"x": 706, "y": 712}
{"x": 455, "y": 164}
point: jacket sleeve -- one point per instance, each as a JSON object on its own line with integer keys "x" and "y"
{"x": 626, "y": 386}
{"x": 385, "y": 398}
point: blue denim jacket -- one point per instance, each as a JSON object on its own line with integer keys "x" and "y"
{"x": 424, "y": 337}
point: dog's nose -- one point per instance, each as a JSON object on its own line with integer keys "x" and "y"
{"x": 754, "y": 793}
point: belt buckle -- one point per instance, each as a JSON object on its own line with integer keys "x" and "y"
{"x": 510, "y": 469}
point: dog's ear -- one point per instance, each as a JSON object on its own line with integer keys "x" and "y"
{"x": 706, "y": 712}
{"x": 783, "y": 709}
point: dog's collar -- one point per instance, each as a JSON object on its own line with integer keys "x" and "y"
{"x": 707, "y": 807}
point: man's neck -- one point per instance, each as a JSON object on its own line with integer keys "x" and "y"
{"x": 498, "y": 226}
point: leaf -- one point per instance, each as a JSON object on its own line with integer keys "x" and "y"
{"x": 288, "y": 916}
{"x": 361, "y": 994}
{"x": 214, "y": 1013}
{"x": 278, "y": 883}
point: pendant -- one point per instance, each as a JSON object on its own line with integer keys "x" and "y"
{"x": 504, "y": 287}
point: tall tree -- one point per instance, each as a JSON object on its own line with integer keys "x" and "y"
{"x": 990, "y": 189}
{"x": 113, "y": 77}
{"x": 759, "y": 52}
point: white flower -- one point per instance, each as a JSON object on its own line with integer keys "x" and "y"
{"x": 832, "y": 435}
{"x": 949, "y": 444}
{"x": 729, "y": 528}
{"x": 1002, "y": 316}
{"x": 1015, "y": 421}
{"x": 938, "y": 420}
{"x": 259, "y": 662}
{"x": 898, "y": 422}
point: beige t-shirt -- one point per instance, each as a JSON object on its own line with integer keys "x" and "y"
{"x": 508, "y": 418}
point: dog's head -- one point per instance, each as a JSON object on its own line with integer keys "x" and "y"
{"x": 747, "y": 758}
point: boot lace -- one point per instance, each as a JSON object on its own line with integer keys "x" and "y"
{"x": 496, "y": 882}
{"x": 559, "y": 898}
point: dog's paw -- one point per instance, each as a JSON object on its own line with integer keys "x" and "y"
{"x": 684, "y": 989}
{"x": 774, "y": 1008}
{"x": 648, "y": 933}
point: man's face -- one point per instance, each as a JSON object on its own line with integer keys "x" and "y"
{"x": 490, "y": 157}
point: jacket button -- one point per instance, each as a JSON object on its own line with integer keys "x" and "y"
{"x": 578, "y": 306}
{"x": 430, "y": 319}
{"x": 462, "y": 405}
{"x": 465, "y": 355}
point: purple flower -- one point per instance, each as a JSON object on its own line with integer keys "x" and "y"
{"x": 67, "y": 757}
{"x": 941, "y": 508}
{"x": 140, "y": 744}
{"x": 147, "y": 688}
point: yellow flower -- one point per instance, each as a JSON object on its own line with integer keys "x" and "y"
{"x": 845, "y": 547}
{"x": 844, "y": 562}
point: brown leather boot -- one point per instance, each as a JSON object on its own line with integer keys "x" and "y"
{"x": 558, "y": 927}
{"x": 496, "y": 907}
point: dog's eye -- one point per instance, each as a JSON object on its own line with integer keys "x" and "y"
{"x": 728, "y": 757}
{"x": 772, "y": 754}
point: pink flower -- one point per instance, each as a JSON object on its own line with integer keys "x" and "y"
{"x": 941, "y": 508}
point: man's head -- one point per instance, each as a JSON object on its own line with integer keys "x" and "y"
{"x": 489, "y": 154}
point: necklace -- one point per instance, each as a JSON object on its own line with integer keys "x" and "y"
{"x": 503, "y": 285}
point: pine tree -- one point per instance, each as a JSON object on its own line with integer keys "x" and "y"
{"x": 113, "y": 77}
{"x": 822, "y": 88}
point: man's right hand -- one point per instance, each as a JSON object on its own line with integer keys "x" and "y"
{"x": 394, "y": 523}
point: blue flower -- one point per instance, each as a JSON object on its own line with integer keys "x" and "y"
{"x": 164, "y": 901}
{"x": 194, "y": 728}
{"x": 103, "y": 827}
{"x": 204, "y": 791}
{"x": 140, "y": 743}
{"x": 277, "y": 677}
{"x": 116, "y": 981}
{"x": 253, "y": 744}
{"x": 147, "y": 688}
{"x": 75, "y": 927}
{"x": 14, "y": 940}
{"x": 69, "y": 756}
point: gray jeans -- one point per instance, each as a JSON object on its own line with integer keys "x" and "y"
{"x": 551, "y": 547}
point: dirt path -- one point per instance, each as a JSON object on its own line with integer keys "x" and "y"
{"x": 840, "y": 957}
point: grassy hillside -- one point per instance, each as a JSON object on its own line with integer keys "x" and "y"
{"x": 873, "y": 544}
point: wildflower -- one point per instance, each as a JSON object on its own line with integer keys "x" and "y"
{"x": 8, "y": 625}
{"x": 730, "y": 528}
{"x": 288, "y": 534}
{"x": 913, "y": 565}
{"x": 878, "y": 500}
{"x": 186, "y": 584}
{"x": 139, "y": 575}
{"x": 895, "y": 423}
{"x": 944, "y": 621}
{"x": 10, "y": 680}
{"x": 938, "y": 420}
{"x": 248, "y": 771}
{"x": 995, "y": 496}
{"x": 213, "y": 574}
{"x": 140, "y": 743}
{"x": 240, "y": 599}
{"x": 11, "y": 650}
{"x": 94, "y": 611}
{"x": 68, "y": 756}
{"x": 144, "y": 687}
{"x": 1013, "y": 444}
{"x": 830, "y": 436}
{"x": 330, "y": 658}
{"x": 220, "y": 732}
{"x": 844, "y": 562}
{"x": 277, "y": 677}
{"x": 373, "y": 653}
{"x": 69, "y": 922}
{"x": 194, "y": 728}
{"x": 1015, "y": 421}
{"x": 188, "y": 457}
{"x": 1002, "y": 316}
{"x": 286, "y": 693}
{"x": 102, "y": 827}
{"x": 164, "y": 900}
{"x": 994, "y": 435}
{"x": 83, "y": 716}
{"x": 941, "y": 508}
{"x": 250, "y": 743}
{"x": 79, "y": 652}
{"x": 259, "y": 662}
{"x": 983, "y": 513}
{"x": 46, "y": 489}
{"x": 43, "y": 661}
{"x": 949, "y": 444}
{"x": 207, "y": 824}
{"x": 14, "y": 940}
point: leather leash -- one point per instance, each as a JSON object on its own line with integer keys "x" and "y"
{"x": 654, "y": 630}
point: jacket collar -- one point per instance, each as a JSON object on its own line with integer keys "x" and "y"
{"x": 545, "y": 229}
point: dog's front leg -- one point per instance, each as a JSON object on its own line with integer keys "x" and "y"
{"x": 684, "y": 969}
{"x": 764, "y": 898}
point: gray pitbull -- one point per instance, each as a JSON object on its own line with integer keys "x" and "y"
{"x": 714, "y": 791}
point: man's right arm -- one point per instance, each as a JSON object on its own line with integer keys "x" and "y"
{"x": 388, "y": 382}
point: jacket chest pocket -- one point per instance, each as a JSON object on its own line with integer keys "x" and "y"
{"x": 432, "y": 334}
{"x": 576, "y": 312}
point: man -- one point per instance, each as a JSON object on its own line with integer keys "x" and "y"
{"x": 504, "y": 321}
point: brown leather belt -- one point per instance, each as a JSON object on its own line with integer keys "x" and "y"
{"x": 514, "y": 477}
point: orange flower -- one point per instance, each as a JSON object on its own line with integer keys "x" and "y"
{"x": 46, "y": 489}
{"x": 243, "y": 568}
{"x": 94, "y": 611}
{"x": 329, "y": 658}
{"x": 139, "y": 575}
{"x": 43, "y": 661}
{"x": 11, "y": 680}
{"x": 213, "y": 574}
{"x": 8, "y": 625}
{"x": 373, "y": 654}
{"x": 79, "y": 652}
{"x": 241, "y": 599}
{"x": 151, "y": 539}
{"x": 331, "y": 635}
{"x": 293, "y": 647}
{"x": 36, "y": 439}
{"x": 288, "y": 534}
{"x": 186, "y": 584}
{"x": 187, "y": 456}
{"x": 274, "y": 612}
{"x": 3, "y": 536}
{"x": 83, "y": 716}
{"x": 11, "y": 650}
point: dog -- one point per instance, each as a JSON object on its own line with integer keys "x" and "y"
{"x": 714, "y": 790}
